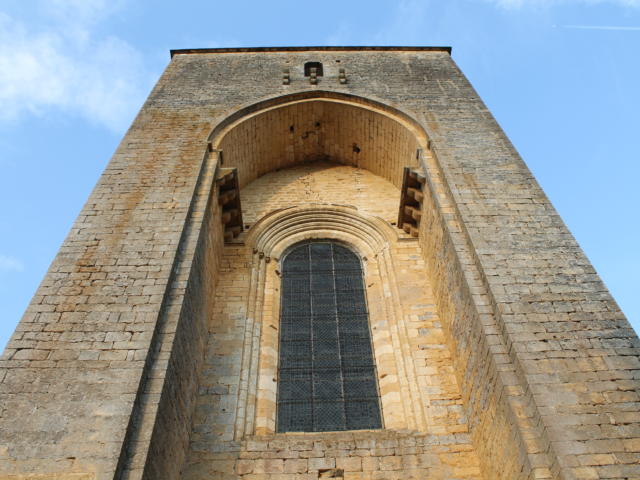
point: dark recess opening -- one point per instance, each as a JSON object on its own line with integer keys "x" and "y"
{"x": 309, "y": 65}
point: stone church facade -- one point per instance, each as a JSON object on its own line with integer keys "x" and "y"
{"x": 159, "y": 342}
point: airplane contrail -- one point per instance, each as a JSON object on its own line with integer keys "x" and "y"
{"x": 601, "y": 27}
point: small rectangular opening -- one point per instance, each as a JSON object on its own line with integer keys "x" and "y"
{"x": 309, "y": 65}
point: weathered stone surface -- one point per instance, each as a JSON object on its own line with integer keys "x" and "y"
{"x": 129, "y": 361}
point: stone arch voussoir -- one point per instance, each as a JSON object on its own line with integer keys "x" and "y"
{"x": 247, "y": 111}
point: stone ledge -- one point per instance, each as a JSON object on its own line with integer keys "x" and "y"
{"x": 186, "y": 51}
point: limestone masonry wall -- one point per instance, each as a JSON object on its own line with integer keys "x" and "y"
{"x": 141, "y": 352}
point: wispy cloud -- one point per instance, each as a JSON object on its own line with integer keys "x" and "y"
{"x": 601, "y": 27}
{"x": 84, "y": 11}
{"x": 406, "y": 23}
{"x": 518, "y": 4}
{"x": 10, "y": 264}
{"x": 61, "y": 65}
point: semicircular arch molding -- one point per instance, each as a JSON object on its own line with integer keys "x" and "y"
{"x": 374, "y": 105}
{"x": 309, "y": 126}
{"x": 277, "y": 231}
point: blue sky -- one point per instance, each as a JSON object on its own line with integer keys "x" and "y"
{"x": 561, "y": 77}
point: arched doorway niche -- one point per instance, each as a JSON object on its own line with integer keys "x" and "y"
{"x": 301, "y": 128}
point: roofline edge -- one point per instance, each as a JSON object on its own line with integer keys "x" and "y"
{"x": 186, "y": 51}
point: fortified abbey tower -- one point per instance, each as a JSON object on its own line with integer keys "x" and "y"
{"x": 323, "y": 262}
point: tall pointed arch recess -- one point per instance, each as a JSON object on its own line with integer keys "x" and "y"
{"x": 460, "y": 289}
{"x": 285, "y": 131}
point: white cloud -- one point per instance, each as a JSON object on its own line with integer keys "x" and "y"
{"x": 516, "y": 4}
{"x": 61, "y": 66}
{"x": 9, "y": 264}
{"x": 601, "y": 27}
{"x": 83, "y": 11}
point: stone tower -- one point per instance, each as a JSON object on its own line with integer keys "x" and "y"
{"x": 323, "y": 262}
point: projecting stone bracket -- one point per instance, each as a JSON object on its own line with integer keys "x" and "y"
{"x": 411, "y": 197}
{"x": 313, "y": 76}
{"x": 229, "y": 200}
{"x": 313, "y": 70}
{"x": 342, "y": 76}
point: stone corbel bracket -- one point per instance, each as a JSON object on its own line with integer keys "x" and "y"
{"x": 313, "y": 76}
{"x": 342, "y": 76}
{"x": 411, "y": 197}
{"x": 229, "y": 201}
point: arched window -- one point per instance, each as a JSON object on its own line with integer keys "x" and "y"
{"x": 327, "y": 375}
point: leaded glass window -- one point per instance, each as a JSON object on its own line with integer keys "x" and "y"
{"x": 327, "y": 375}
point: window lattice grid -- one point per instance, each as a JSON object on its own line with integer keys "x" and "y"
{"x": 327, "y": 375}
